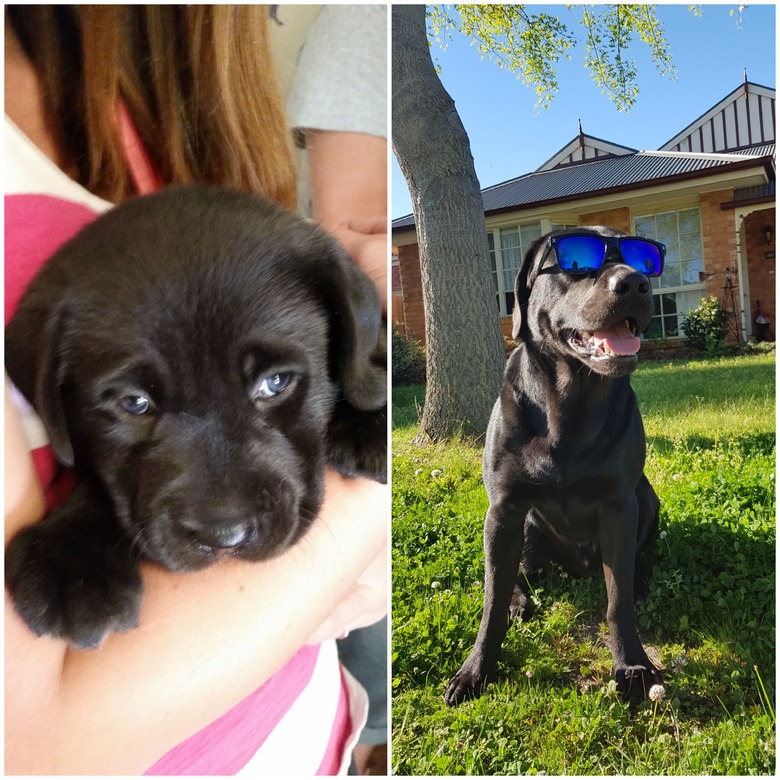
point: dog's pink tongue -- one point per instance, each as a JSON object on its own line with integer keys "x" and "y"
{"x": 619, "y": 339}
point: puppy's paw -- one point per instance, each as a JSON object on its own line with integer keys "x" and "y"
{"x": 635, "y": 682}
{"x": 467, "y": 684}
{"x": 80, "y": 595}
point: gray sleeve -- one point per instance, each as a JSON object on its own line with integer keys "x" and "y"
{"x": 341, "y": 79}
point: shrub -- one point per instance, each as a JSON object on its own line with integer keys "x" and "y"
{"x": 408, "y": 360}
{"x": 706, "y": 327}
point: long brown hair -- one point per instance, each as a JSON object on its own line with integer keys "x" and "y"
{"x": 197, "y": 81}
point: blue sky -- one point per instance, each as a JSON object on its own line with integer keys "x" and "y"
{"x": 508, "y": 139}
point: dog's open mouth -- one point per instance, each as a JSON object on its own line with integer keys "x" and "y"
{"x": 620, "y": 340}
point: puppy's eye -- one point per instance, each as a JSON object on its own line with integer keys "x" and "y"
{"x": 135, "y": 404}
{"x": 273, "y": 384}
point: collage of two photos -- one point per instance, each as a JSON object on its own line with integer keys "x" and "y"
{"x": 389, "y": 390}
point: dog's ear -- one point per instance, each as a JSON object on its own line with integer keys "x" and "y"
{"x": 35, "y": 359}
{"x": 359, "y": 342}
{"x": 523, "y": 283}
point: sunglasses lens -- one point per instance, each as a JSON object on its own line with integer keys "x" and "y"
{"x": 642, "y": 256}
{"x": 580, "y": 254}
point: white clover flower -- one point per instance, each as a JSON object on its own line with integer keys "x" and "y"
{"x": 436, "y": 473}
{"x": 418, "y": 472}
{"x": 677, "y": 476}
{"x": 435, "y": 585}
{"x": 656, "y": 693}
{"x": 662, "y": 534}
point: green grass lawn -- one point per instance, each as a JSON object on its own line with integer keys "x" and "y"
{"x": 709, "y": 619}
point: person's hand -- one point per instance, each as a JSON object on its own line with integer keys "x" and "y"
{"x": 349, "y": 196}
{"x": 366, "y": 243}
{"x": 363, "y": 605}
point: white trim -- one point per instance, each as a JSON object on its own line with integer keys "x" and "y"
{"x": 718, "y": 109}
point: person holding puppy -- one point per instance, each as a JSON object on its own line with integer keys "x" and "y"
{"x": 232, "y": 665}
{"x": 338, "y": 107}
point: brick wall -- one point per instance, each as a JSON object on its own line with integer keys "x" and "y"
{"x": 619, "y": 218}
{"x": 719, "y": 239}
{"x": 413, "y": 314}
{"x": 761, "y": 269}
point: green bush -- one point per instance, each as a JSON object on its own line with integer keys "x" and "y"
{"x": 408, "y": 357}
{"x": 706, "y": 327}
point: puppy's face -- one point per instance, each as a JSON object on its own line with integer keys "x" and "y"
{"x": 593, "y": 319}
{"x": 212, "y": 443}
{"x": 190, "y": 353}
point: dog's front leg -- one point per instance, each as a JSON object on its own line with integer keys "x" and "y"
{"x": 633, "y": 671}
{"x": 74, "y": 574}
{"x": 503, "y": 548}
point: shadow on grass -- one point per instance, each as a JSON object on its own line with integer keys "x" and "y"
{"x": 708, "y": 621}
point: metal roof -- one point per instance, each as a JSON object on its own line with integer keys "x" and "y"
{"x": 589, "y": 178}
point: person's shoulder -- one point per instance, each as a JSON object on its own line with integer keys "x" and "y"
{"x": 28, "y": 171}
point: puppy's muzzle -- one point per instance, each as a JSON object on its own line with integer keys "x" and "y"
{"x": 254, "y": 528}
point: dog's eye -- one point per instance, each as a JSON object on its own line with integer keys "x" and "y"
{"x": 272, "y": 385}
{"x": 135, "y": 404}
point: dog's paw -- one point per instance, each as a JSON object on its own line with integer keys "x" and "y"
{"x": 521, "y": 607}
{"x": 466, "y": 684}
{"x": 78, "y": 595}
{"x": 635, "y": 682}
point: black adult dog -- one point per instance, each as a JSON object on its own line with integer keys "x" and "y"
{"x": 565, "y": 451}
{"x": 198, "y": 355}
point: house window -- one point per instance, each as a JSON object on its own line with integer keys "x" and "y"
{"x": 507, "y": 249}
{"x": 395, "y": 271}
{"x": 681, "y": 286}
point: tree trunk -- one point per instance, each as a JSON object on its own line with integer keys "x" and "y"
{"x": 463, "y": 336}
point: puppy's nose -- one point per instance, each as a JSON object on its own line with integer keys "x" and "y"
{"x": 222, "y": 534}
{"x": 632, "y": 282}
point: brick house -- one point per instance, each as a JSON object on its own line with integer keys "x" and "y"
{"x": 708, "y": 193}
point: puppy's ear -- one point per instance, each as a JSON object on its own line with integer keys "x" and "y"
{"x": 35, "y": 359}
{"x": 523, "y": 282}
{"x": 359, "y": 342}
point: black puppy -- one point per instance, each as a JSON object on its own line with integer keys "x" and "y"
{"x": 565, "y": 449}
{"x": 198, "y": 355}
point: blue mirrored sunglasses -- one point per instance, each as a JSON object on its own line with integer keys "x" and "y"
{"x": 581, "y": 253}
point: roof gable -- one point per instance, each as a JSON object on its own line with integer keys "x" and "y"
{"x": 583, "y": 148}
{"x": 744, "y": 118}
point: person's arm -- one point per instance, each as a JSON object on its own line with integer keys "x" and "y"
{"x": 205, "y": 640}
{"x": 348, "y": 173}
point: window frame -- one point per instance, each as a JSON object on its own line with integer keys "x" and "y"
{"x": 693, "y": 291}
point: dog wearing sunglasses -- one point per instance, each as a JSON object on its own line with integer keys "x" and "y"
{"x": 564, "y": 457}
